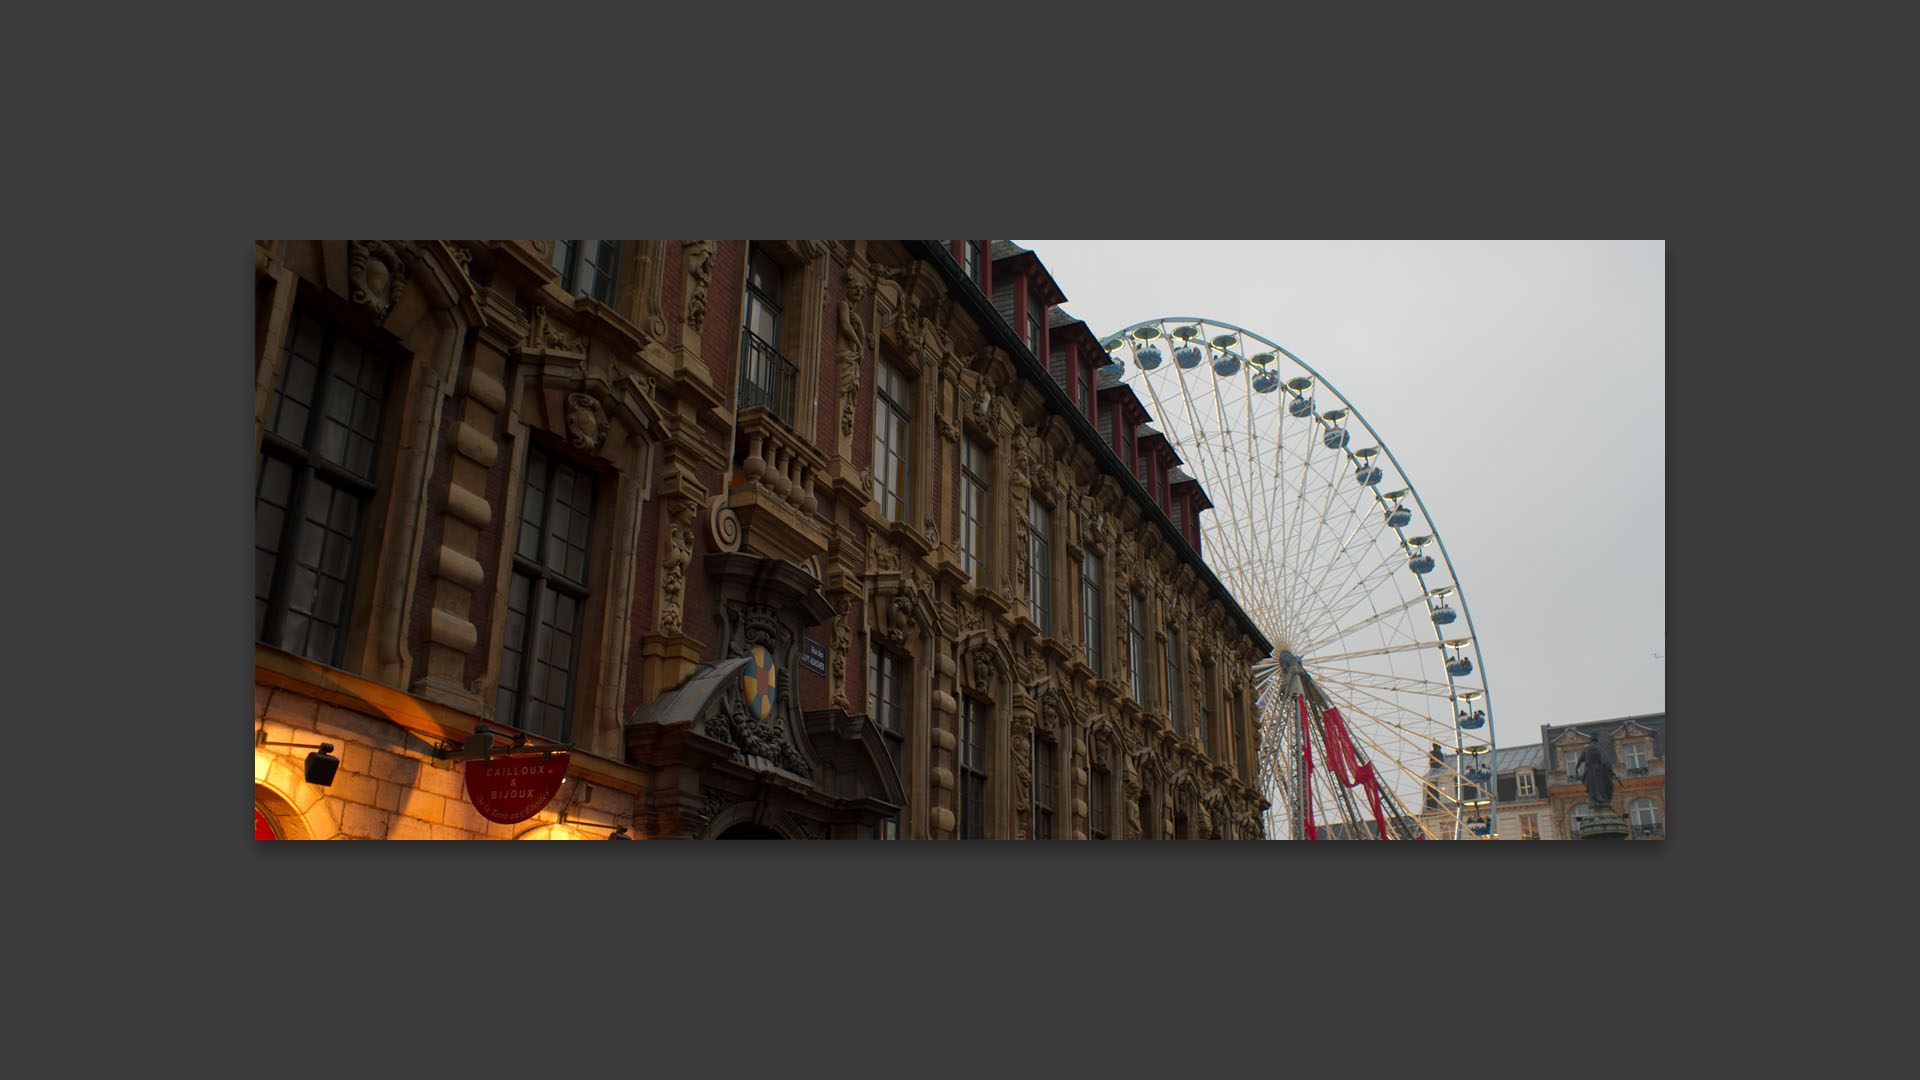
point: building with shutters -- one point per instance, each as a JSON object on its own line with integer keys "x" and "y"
{"x": 802, "y": 539}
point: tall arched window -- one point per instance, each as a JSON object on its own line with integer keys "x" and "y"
{"x": 1646, "y": 818}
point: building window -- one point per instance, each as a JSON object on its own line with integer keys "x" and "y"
{"x": 1529, "y": 826}
{"x": 1092, "y": 625}
{"x": 1205, "y": 728}
{"x": 973, "y": 510}
{"x": 973, "y": 771}
{"x": 1568, "y": 758}
{"x": 1574, "y": 812}
{"x": 546, "y": 598}
{"x": 884, "y": 705}
{"x": 1635, "y": 756}
{"x": 314, "y": 488}
{"x": 1170, "y": 652}
{"x": 1042, "y": 789}
{"x": 1099, "y": 796}
{"x": 1033, "y": 327}
{"x": 1085, "y": 378}
{"x": 1526, "y": 783}
{"x": 1137, "y": 645}
{"x": 970, "y": 259}
{"x": 892, "y": 428}
{"x": 1645, "y": 815}
{"x": 1239, "y": 736}
{"x": 1040, "y": 559}
{"x": 589, "y": 267}
{"x": 766, "y": 377}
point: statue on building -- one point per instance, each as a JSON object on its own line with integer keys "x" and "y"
{"x": 1597, "y": 775}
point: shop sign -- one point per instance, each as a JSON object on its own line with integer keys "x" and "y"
{"x": 512, "y": 789}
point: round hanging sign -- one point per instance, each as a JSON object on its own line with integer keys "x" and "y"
{"x": 511, "y": 789}
{"x": 758, "y": 682}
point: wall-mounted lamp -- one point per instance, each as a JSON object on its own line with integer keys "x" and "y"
{"x": 619, "y": 831}
{"x": 321, "y": 764}
{"x": 479, "y": 746}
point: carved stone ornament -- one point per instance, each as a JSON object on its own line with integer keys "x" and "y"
{"x": 982, "y": 670}
{"x": 980, "y": 407}
{"x": 899, "y": 619}
{"x": 848, "y": 358}
{"x": 723, "y": 524}
{"x": 842, "y": 642}
{"x": 546, "y": 336}
{"x": 713, "y": 802}
{"x": 377, "y": 272}
{"x": 699, "y": 263}
{"x": 673, "y": 567}
{"x": 1022, "y": 749}
{"x": 586, "y": 422}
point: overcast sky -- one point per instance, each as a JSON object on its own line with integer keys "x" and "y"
{"x": 1521, "y": 387}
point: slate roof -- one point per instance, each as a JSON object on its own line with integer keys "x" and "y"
{"x": 1603, "y": 731}
{"x": 1003, "y": 249}
{"x": 1057, "y": 316}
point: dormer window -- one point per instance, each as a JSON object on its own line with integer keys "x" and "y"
{"x": 1634, "y": 756}
{"x": 1033, "y": 326}
{"x": 970, "y": 259}
{"x": 1526, "y": 784}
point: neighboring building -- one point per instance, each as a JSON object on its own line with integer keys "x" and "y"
{"x": 804, "y": 539}
{"x": 1636, "y": 747}
{"x": 1537, "y": 800}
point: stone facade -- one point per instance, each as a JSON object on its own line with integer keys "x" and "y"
{"x": 1538, "y": 800}
{"x": 564, "y": 490}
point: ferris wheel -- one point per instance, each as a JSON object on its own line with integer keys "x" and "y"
{"x": 1373, "y": 709}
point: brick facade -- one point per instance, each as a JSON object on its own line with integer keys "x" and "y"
{"x": 721, "y": 537}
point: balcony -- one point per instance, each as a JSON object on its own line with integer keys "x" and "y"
{"x": 772, "y": 491}
{"x": 1656, "y": 831}
{"x": 766, "y": 378}
{"x": 1641, "y": 771}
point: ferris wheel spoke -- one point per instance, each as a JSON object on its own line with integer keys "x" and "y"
{"x": 1411, "y": 646}
{"x": 1390, "y": 683}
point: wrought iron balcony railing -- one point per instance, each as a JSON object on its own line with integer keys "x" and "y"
{"x": 766, "y": 377}
{"x": 1649, "y": 832}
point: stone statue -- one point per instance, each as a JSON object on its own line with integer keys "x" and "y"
{"x": 1598, "y": 776}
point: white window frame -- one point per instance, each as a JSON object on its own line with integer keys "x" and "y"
{"x": 1526, "y": 788}
{"x": 1040, "y": 566}
{"x": 893, "y": 415}
{"x": 973, "y": 510}
{"x": 1631, "y": 751}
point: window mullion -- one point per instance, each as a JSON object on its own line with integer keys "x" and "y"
{"x": 284, "y": 558}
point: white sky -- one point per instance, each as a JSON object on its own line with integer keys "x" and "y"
{"x": 1520, "y": 385}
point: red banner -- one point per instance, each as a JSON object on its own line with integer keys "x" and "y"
{"x": 512, "y": 789}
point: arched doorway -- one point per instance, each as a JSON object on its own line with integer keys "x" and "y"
{"x": 747, "y": 830}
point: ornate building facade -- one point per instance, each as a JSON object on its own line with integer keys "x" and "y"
{"x": 806, "y": 539}
{"x": 1539, "y": 799}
